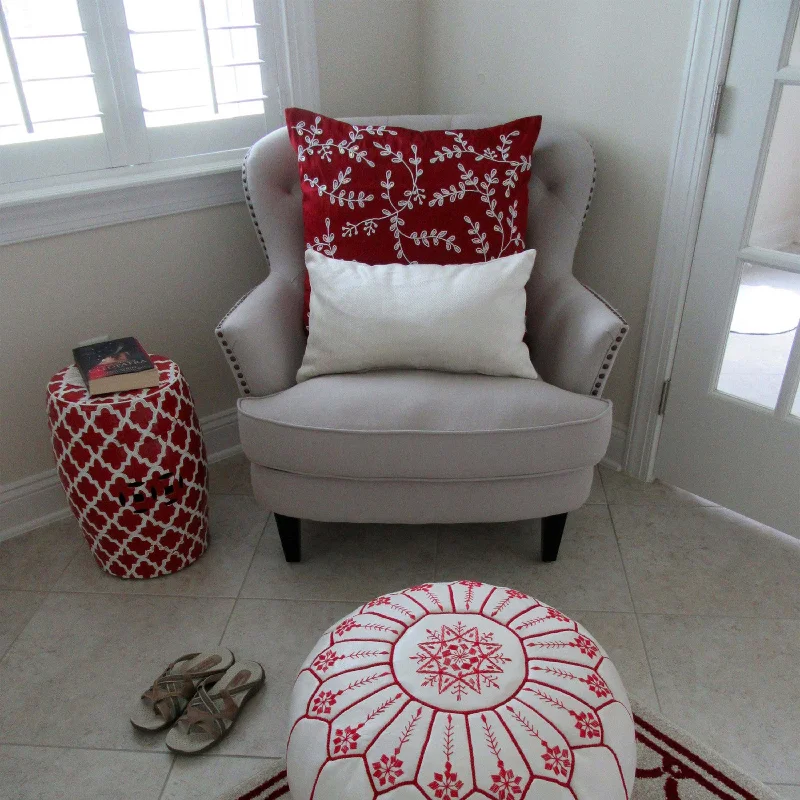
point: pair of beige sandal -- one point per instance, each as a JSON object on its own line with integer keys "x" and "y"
{"x": 202, "y": 694}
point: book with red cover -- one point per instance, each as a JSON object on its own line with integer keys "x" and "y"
{"x": 115, "y": 366}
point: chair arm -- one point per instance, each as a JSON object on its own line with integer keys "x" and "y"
{"x": 574, "y": 336}
{"x": 262, "y": 337}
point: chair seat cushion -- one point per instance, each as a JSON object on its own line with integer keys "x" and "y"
{"x": 424, "y": 425}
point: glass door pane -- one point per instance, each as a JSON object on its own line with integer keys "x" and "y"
{"x": 776, "y": 224}
{"x": 794, "y": 55}
{"x": 762, "y": 331}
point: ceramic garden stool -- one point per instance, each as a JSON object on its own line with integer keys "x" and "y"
{"x": 133, "y": 465}
{"x": 459, "y": 690}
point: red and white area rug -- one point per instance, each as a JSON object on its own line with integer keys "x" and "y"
{"x": 671, "y": 765}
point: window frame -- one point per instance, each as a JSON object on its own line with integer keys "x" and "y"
{"x": 48, "y": 206}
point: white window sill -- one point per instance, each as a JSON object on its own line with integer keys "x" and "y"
{"x": 124, "y": 194}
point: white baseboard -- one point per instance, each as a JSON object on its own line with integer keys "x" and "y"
{"x": 221, "y": 433}
{"x": 39, "y": 499}
{"x": 615, "y": 455}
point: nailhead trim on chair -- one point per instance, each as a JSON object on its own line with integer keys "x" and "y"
{"x": 591, "y": 188}
{"x": 227, "y": 349}
{"x": 605, "y": 369}
{"x": 250, "y": 206}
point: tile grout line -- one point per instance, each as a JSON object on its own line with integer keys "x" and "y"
{"x": 635, "y": 612}
{"x": 244, "y": 578}
{"x": 166, "y": 779}
{"x": 92, "y": 749}
{"x": 69, "y": 562}
{"x": 436, "y": 557}
{"x": 716, "y": 616}
{"x": 142, "y": 595}
{"x": 24, "y": 626}
{"x": 46, "y": 592}
{"x": 85, "y": 747}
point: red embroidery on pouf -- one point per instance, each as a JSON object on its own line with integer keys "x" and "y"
{"x": 134, "y": 469}
{"x": 471, "y": 586}
{"x": 588, "y": 725}
{"x": 459, "y": 690}
{"x": 446, "y": 784}
{"x": 345, "y": 740}
{"x": 460, "y": 660}
{"x": 388, "y": 768}
{"x": 383, "y": 195}
{"x": 505, "y": 784}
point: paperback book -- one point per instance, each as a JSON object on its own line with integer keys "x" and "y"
{"x": 115, "y": 366}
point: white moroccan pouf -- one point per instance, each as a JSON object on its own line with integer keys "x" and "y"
{"x": 459, "y": 690}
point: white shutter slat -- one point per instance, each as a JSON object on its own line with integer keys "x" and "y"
{"x": 62, "y": 132}
{"x": 208, "y": 94}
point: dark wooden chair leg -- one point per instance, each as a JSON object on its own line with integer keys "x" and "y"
{"x": 552, "y": 531}
{"x": 289, "y": 531}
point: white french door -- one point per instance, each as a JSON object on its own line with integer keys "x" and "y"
{"x": 731, "y": 430}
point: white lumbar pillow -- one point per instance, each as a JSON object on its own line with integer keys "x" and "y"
{"x": 454, "y": 318}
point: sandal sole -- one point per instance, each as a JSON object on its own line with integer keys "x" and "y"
{"x": 250, "y": 693}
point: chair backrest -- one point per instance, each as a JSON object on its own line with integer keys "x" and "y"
{"x": 561, "y": 184}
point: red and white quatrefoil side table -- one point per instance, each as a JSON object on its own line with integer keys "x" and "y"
{"x": 459, "y": 691}
{"x": 133, "y": 465}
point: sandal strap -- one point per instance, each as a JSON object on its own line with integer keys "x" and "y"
{"x": 172, "y": 690}
{"x": 170, "y": 694}
{"x": 206, "y": 715}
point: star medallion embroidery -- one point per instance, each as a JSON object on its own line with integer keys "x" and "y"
{"x": 460, "y": 660}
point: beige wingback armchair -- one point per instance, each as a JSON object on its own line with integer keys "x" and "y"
{"x": 406, "y": 446}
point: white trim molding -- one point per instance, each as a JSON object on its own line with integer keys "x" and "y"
{"x": 113, "y": 199}
{"x": 39, "y": 499}
{"x": 221, "y": 435}
{"x": 298, "y": 66}
{"x": 704, "y": 74}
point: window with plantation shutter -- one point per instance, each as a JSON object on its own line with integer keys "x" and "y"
{"x": 88, "y": 86}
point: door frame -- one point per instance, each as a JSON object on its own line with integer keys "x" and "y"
{"x": 711, "y": 37}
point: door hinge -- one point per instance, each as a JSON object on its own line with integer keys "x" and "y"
{"x": 716, "y": 108}
{"x": 662, "y": 403}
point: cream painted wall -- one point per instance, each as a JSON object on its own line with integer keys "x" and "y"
{"x": 167, "y": 281}
{"x": 369, "y": 56}
{"x": 611, "y": 70}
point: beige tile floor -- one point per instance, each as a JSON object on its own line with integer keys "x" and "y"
{"x": 698, "y": 607}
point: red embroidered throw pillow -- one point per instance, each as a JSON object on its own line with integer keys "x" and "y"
{"x": 382, "y": 195}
